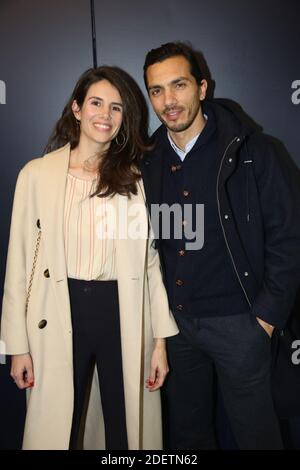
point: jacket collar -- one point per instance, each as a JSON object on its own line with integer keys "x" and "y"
{"x": 233, "y": 126}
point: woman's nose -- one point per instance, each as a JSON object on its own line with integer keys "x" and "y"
{"x": 105, "y": 112}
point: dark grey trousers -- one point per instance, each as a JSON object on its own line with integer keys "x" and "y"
{"x": 238, "y": 350}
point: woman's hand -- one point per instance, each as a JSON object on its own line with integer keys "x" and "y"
{"x": 158, "y": 367}
{"x": 22, "y": 370}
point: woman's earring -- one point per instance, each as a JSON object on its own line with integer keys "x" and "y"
{"x": 121, "y": 144}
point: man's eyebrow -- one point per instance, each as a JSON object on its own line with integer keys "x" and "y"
{"x": 173, "y": 82}
{"x": 180, "y": 79}
{"x": 154, "y": 86}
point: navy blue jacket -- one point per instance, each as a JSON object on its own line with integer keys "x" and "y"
{"x": 259, "y": 211}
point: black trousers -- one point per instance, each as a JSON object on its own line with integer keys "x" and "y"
{"x": 96, "y": 339}
{"x": 238, "y": 350}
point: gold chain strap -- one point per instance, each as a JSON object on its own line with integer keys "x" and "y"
{"x": 38, "y": 240}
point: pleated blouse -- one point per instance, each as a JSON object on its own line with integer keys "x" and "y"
{"x": 90, "y": 255}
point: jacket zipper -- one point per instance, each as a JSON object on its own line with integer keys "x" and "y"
{"x": 247, "y": 182}
{"x": 236, "y": 139}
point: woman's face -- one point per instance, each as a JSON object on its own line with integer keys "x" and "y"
{"x": 101, "y": 114}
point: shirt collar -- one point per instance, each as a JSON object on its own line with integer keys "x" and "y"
{"x": 182, "y": 153}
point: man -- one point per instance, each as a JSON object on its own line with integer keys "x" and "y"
{"x": 230, "y": 294}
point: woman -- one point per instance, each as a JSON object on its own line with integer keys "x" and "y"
{"x": 77, "y": 291}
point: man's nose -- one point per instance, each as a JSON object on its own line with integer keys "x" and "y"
{"x": 170, "y": 97}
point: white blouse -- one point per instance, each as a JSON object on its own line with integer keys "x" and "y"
{"x": 89, "y": 255}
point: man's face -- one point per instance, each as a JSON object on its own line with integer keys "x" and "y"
{"x": 175, "y": 94}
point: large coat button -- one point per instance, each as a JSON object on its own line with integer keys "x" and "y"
{"x": 42, "y": 324}
{"x": 46, "y": 273}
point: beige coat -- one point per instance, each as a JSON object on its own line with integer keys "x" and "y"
{"x": 144, "y": 314}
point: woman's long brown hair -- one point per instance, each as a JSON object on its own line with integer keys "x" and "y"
{"x": 118, "y": 166}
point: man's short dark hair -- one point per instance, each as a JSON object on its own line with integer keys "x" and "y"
{"x": 174, "y": 49}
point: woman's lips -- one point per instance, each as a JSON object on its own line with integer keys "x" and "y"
{"x": 102, "y": 127}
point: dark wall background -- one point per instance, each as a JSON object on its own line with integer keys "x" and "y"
{"x": 44, "y": 47}
{"x": 252, "y": 50}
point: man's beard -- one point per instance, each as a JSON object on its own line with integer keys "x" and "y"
{"x": 180, "y": 127}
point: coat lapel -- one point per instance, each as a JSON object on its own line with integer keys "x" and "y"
{"x": 52, "y": 187}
